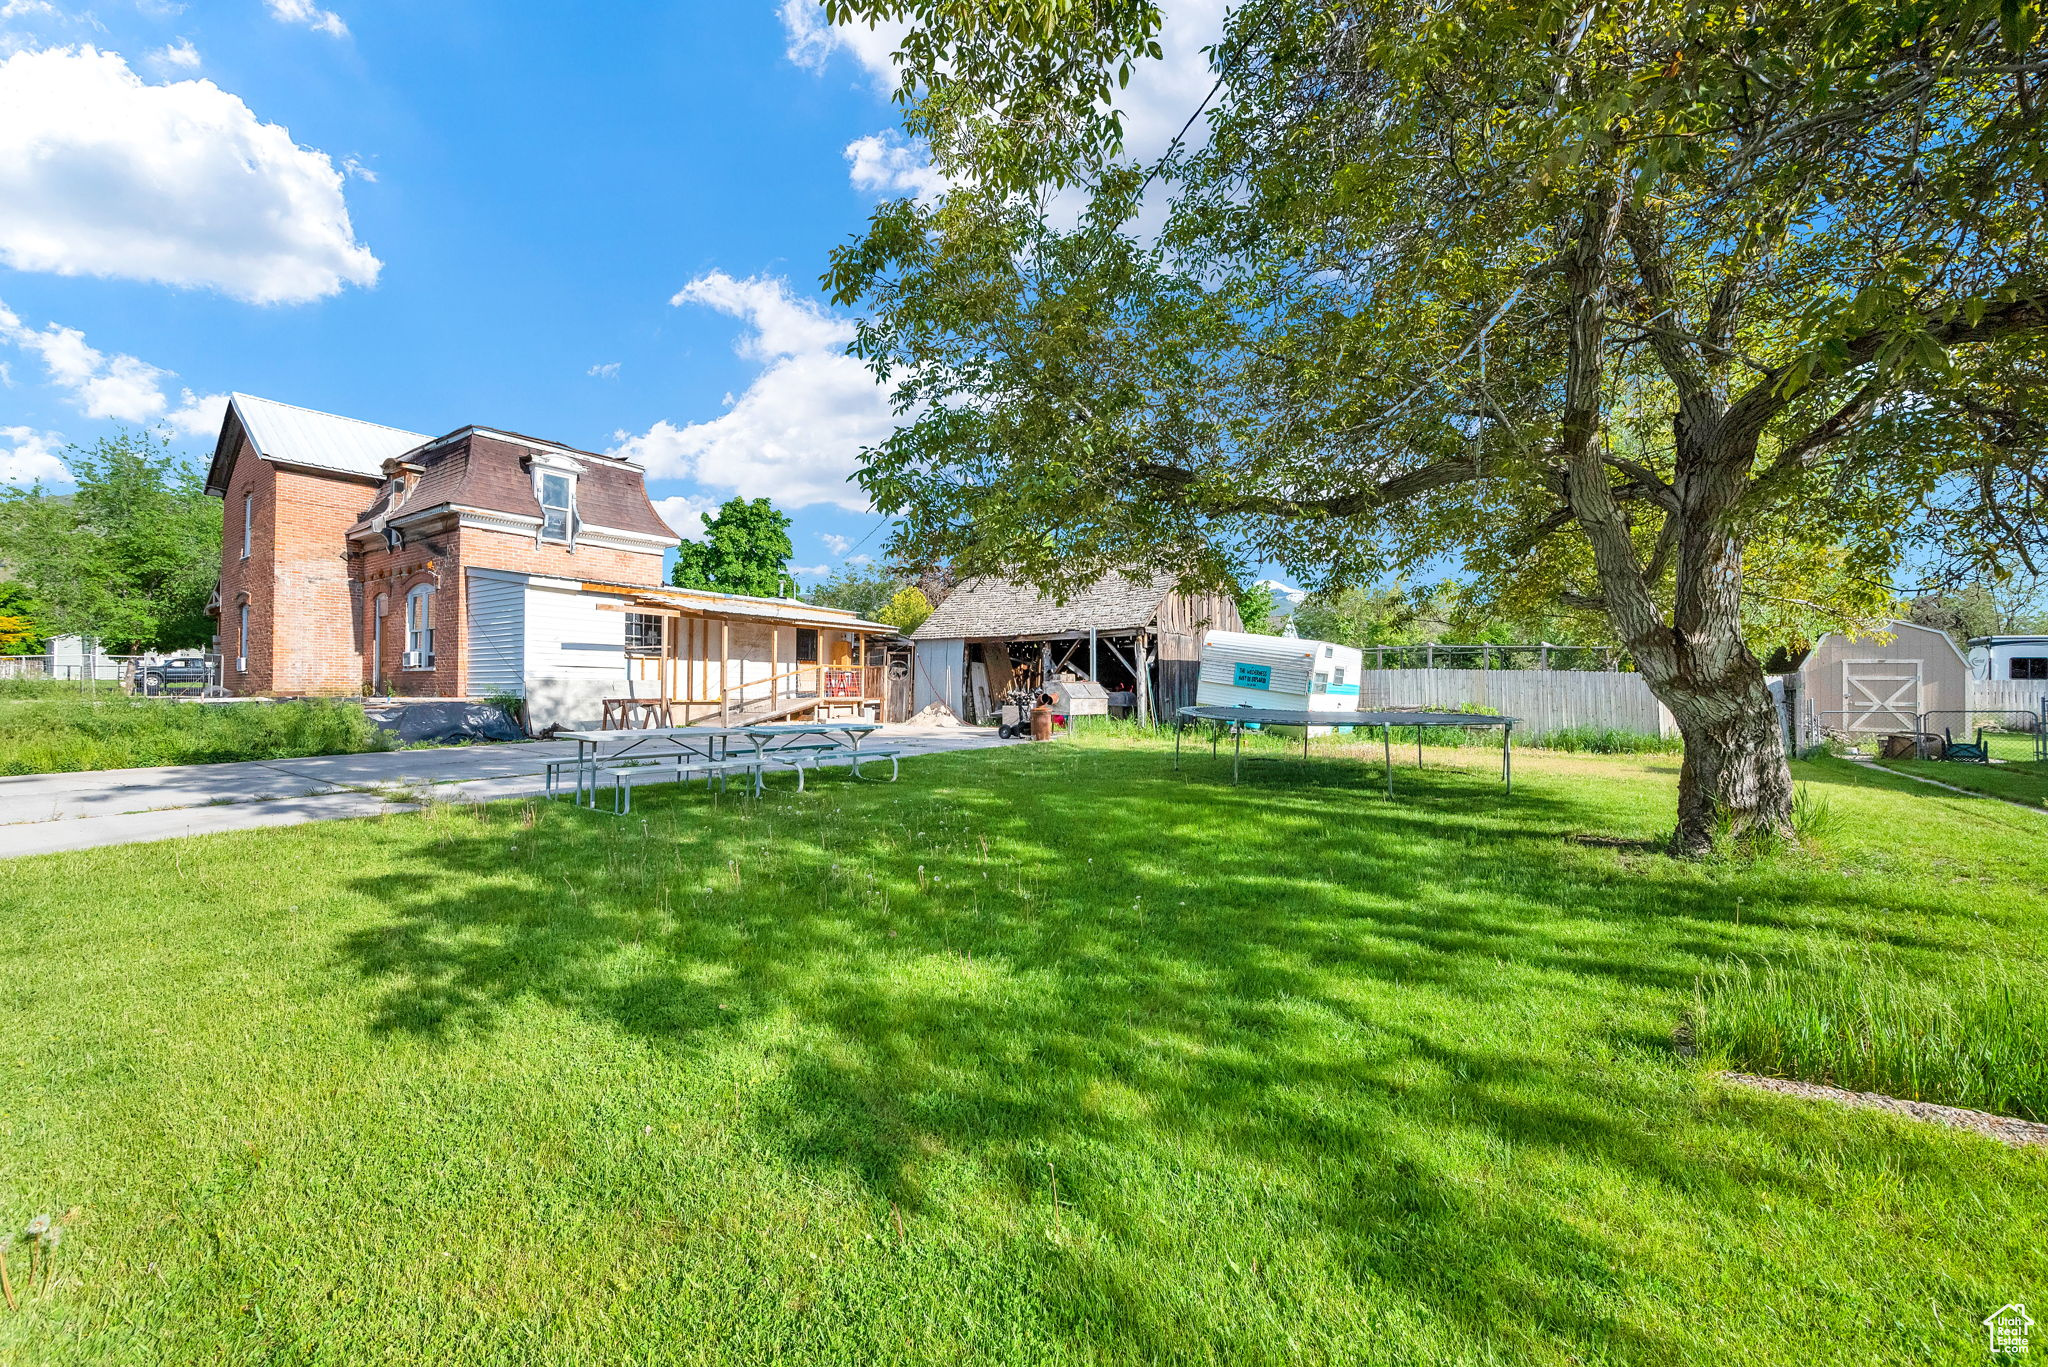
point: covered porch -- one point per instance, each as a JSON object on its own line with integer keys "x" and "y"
{"x": 721, "y": 658}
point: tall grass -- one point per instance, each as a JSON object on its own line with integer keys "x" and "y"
{"x": 70, "y": 735}
{"x": 1853, "y": 1021}
{"x": 12, "y": 688}
{"x": 1609, "y": 740}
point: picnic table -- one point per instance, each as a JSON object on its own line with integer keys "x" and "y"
{"x": 712, "y": 752}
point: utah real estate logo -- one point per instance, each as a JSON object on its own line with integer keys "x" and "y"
{"x": 2008, "y": 1326}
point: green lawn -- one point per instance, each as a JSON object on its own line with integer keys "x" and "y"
{"x": 1042, "y": 1055}
{"x": 68, "y": 735}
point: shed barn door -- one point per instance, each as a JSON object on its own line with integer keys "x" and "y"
{"x": 1881, "y": 695}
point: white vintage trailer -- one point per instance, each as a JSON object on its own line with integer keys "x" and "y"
{"x": 1286, "y": 672}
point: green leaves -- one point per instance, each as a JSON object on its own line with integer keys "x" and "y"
{"x": 746, "y": 549}
{"x": 130, "y": 558}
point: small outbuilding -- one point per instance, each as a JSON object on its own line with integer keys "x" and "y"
{"x": 1139, "y": 637}
{"x": 1861, "y": 687}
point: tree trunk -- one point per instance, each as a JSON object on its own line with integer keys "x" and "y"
{"x": 1735, "y": 777}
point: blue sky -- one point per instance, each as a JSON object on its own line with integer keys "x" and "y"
{"x": 534, "y": 193}
{"x": 605, "y": 232}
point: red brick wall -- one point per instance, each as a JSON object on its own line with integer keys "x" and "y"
{"x": 295, "y": 581}
{"x": 246, "y": 581}
{"x": 439, "y": 558}
{"x": 314, "y": 644}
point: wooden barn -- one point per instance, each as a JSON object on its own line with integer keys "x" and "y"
{"x": 1140, "y": 638}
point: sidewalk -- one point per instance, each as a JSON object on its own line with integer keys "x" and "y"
{"x": 46, "y": 813}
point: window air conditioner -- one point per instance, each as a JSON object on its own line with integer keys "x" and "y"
{"x": 417, "y": 659}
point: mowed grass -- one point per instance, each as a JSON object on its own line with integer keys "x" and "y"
{"x": 113, "y": 731}
{"x": 1043, "y": 1055}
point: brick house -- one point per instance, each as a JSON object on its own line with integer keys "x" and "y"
{"x": 358, "y": 557}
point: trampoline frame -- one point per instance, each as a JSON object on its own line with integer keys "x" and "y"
{"x": 1237, "y": 718}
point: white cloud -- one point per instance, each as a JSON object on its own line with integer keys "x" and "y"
{"x": 889, "y": 164}
{"x": 197, "y": 415}
{"x": 307, "y": 13}
{"x": 27, "y": 9}
{"x": 813, "y": 570}
{"x": 607, "y": 371}
{"x": 835, "y": 543}
{"x": 812, "y": 41}
{"x": 860, "y": 560}
{"x": 797, "y": 433}
{"x": 685, "y": 514}
{"x": 119, "y": 388}
{"x": 178, "y": 56}
{"x": 28, "y": 455}
{"x": 102, "y": 174}
{"x": 784, "y": 325}
{"x": 356, "y": 169}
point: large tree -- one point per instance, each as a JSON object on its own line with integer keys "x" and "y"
{"x": 130, "y": 558}
{"x": 746, "y": 549}
{"x": 1699, "y": 317}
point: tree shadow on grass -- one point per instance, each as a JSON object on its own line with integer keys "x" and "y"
{"x": 1027, "y": 961}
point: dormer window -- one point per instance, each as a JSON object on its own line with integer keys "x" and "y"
{"x": 557, "y": 505}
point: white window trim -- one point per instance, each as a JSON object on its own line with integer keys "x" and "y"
{"x": 248, "y": 519}
{"x": 543, "y": 463}
{"x": 242, "y": 644}
{"x": 423, "y": 594}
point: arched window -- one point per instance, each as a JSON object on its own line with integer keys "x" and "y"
{"x": 419, "y": 628}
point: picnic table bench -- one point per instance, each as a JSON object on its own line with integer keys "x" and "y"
{"x": 671, "y": 754}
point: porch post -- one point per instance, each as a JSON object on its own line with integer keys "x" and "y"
{"x": 1092, "y": 678}
{"x": 1144, "y": 672}
{"x": 724, "y": 654}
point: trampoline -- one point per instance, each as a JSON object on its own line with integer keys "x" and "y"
{"x": 1237, "y": 718}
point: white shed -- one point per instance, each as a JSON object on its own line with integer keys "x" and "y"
{"x": 1278, "y": 671}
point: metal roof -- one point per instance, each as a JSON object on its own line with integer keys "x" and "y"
{"x": 999, "y": 608}
{"x": 326, "y": 441}
{"x": 717, "y": 604}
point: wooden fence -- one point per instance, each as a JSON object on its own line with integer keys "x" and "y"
{"x": 1548, "y": 700}
{"x": 1545, "y": 700}
{"x": 2007, "y": 695}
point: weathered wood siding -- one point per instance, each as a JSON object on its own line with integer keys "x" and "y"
{"x": 1544, "y": 700}
{"x": 1184, "y": 621}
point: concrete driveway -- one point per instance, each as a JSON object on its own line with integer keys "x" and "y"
{"x": 45, "y": 813}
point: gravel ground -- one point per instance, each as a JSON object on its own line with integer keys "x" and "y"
{"x": 2004, "y": 1129}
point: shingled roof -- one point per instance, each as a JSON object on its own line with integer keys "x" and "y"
{"x": 1000, "y": 608}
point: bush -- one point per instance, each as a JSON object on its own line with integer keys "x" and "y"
{"x": 76, "y": 734}
{"x": 1609, "y": 740}
{"x": 1852, "y": 1021}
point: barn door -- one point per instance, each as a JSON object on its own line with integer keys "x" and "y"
{"x": 1881, "y": 695}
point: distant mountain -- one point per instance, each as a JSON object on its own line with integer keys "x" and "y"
{"x": 1285, "y": 599}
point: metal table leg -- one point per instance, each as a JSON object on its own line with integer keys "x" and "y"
{"x": 1507, "y": 763}
{"x": 1387, "y": 746}
{"x": 1237, "y": 755}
